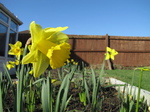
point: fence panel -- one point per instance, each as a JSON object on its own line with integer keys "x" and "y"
{"x": 133, "y": 51}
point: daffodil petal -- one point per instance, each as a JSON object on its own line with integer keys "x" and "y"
{"x": 59, "y": 38}
{"x": 44, "y": 45}
{"x": 55, "y": 35}
{"x": 112, "y": 57}
{"x": 12, "y": 62}
{"x": 108, "y": 49}
{"x": 36, "y": 32}
{"x": 54, "y": 30}
{"x": 17, "y": 62}
{"x": 30, "y": 57}
{"x": 49, "y": 32}
{"x": 9, "y": 66}
{"x": 107, "y": 56}
{"x": 18, "y": 43}
{"x": 114, "y": 52}
{"x": 41, "y": 65}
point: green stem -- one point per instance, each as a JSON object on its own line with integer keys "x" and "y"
{"x": 1, "y": 99}
{"x": 132, "y": 82}
{"x": 31, "y": 96}
{"x": 139, "y": 90}
{"x": 20, "y": 85}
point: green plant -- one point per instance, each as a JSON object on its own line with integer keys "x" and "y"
{"x": 62, "y": 99}
{"x": 131, "y": 103}
{"x": 91, "y": 88}
{"x": 1, "y": 93}
{"x": 46, "y": 95}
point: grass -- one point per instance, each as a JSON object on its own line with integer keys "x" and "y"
{"x": 126, "y": 76}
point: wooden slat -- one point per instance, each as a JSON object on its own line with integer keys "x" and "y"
{"x": 133, "y": 51}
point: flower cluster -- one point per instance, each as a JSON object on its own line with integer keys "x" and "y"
{"x": 71, "y": 62}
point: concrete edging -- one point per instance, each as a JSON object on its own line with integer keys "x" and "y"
{"x": 143, "y": 92}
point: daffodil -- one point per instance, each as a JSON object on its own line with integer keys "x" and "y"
{"x": 75, "y": 63}
{"x": 15, "y": 82}
{"x": 68, "y": 61}
{"x": 17, "y": 62}
{"x": 53, "y": 80}
{"x": 110, "y": 54}
{"x": 49, "y": 47}
{"x": 10, "y": 64}
{"x": 31, "y": 72}
{"x": 15, "y": 49}
{"x": 72, "y": 60}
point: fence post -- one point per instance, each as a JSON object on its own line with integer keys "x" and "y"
{"x": 109, "y": 62}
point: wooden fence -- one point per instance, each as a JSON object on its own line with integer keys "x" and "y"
{"x": 133, "y": 51}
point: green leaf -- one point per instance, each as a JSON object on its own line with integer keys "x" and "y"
{"x": 1, "y": 99}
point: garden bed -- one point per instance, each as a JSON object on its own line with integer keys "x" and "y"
{"x": 110, "y": 99}
{"x": 111, "y": 102}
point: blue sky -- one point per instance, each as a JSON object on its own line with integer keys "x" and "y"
{"x": 85, "y": 17}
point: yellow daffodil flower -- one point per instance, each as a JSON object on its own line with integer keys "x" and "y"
{"x": 76, "y": 63}
{"x": 110, "y": 53}
{"x": 11, "y": 64}
{"x": 68, "y": 61}
{"x": 72, "y": 60}
{"x": 15, "y": 49}
{"x": 15, "y": 82}
{"x": 49, "y": 47}
{"x": 31, "y": 72}
{"x": 53, "y": 80}
{"x": 17, "y": 62}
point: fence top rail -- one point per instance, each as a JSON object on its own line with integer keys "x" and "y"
{"x": 128, "y": 38}
{"x": 27, "y": 32}
{"x": 86, "y": 36}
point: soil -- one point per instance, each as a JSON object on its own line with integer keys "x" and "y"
{"x": 111, "y": 102}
